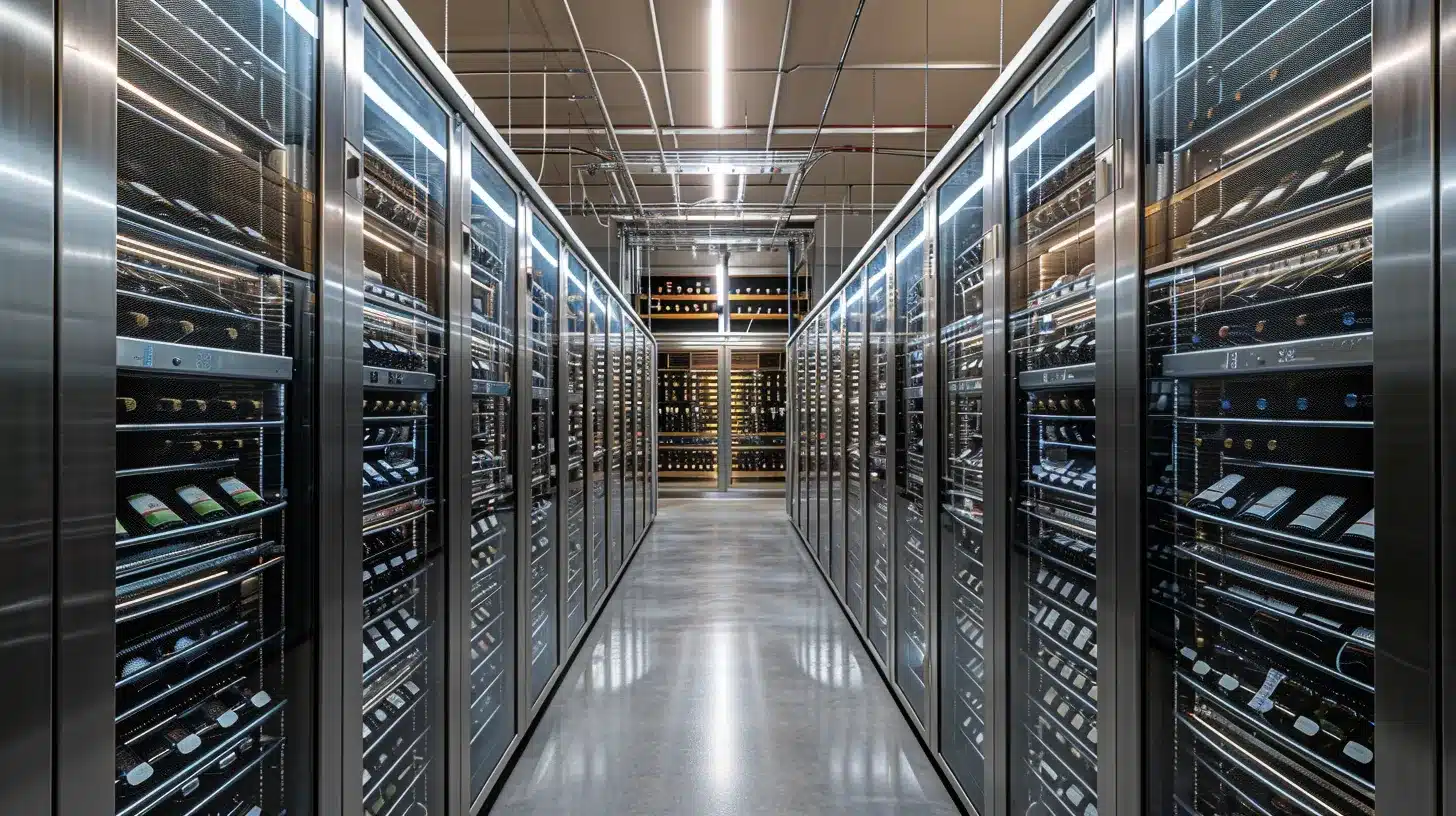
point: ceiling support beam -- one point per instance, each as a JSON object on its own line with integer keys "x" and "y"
{"x": 751, "y": 130}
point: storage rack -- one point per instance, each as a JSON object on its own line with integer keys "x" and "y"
{"x": 1155, "y": 263}
{"x": 272, "y": 293}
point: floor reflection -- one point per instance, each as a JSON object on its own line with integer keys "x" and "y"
{"x": 722, "y": 679}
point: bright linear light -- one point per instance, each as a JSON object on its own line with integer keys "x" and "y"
{"x": 176, "y": 114}
{"x": 377, "y": 95}
{"x": 1300, "y": 114}
{"x": 722, "y": 281}
{"x": 541, "y": 250}
{"x": 720, "y": 186}
{"x": 378, "y": 239}
{"x": 1159, "y": 17}
{"x": 717, "y": 64}
{"x": 911, "y": 247}
{"x": 962, "y": 199}
{"x": 1055, "y": 115}
{"x": 494, "y": 205}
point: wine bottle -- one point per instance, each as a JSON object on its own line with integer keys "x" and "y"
{"x": 206, "y": 507}
{"x": 1268, "y": 507}
{"x": 1322, "y": 517}
{"x": 1313, "y": 183}
{"x": 155, "y": 515}
{"x": 1361, "y": 533}
{"x": 130, "y": 768}
{"x": 1334, "y": 320}
{"x": 1225, "y": 494}
{"x": 242, "y": 496}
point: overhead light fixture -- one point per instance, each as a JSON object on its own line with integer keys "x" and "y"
{"x": 720, "y": 187}
{"x": 718, "y": 63}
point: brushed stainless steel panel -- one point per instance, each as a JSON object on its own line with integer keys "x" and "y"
{"x": 27, "y": 416}
{"x": 1446, "y": 338}
{"x": 85, "y": 387}
{"x": 1407, "y": 493}
{"x": 457, "y": 487}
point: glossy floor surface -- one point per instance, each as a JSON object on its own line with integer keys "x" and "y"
{"x": 722, "y": 678}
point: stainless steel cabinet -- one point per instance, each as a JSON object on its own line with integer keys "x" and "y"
{"x": 542, "y": 359}
{"x": 880, "y": 368}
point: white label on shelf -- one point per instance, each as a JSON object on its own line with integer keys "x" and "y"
{"x": 1050, "y": 696}
{"x": 1093, "y": 654}
{"x": 1078, "y": 721}
{"x": 396, "y": 561}
{"x": 1068, "y": 627}
{"x": 367, "y": 732}
{"x": 1080, "y": 681}
{"x": 1188, "y": 653}
{"x": 1093, "y": 606}
{"x": 394, "y": 632}
{"x": 1364, "y": 528}
{"x": 1048, "y": 771}
{"x": 1082, "y": 637}
{"x": 1067, "y": 589}
{"x": 1082, "y": 597}
{"x": 413, "y": 689}
{"x": 412, "y": 623}
{"x": 412, "y": 554}
{"x": 1306, "y": 726}
{"x": 1055, "y": 582}
{"x": 1359, "y": 753}
{"x": 382, "y": 645}
{"x": 1074, "y": 795}
{"x": 1092, "y": 693}
{"x": 1269, "y": 503}
{"x": 1051, "y": 619}
{"x": 1215, "y": 491}
{"x": 381, "y": 568}
{"x": 1090, "y": 810}
{"x": 1201, "y": 668}
{"x": 1063, "y": 709}
{"x": 381, "y": 715}
{"x": 1092, "y": 735}
{"x": 1260, "y": 702}
{"x": 368, "y": 655}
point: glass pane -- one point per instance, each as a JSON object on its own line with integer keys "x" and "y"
{"x": 834, "y": 340}
{"x": 1054, "y": 532}
{"x": 542, "y": 345}
{"x": 811, "y": 395}
{"x": 573, "y": 349}
{"x": 215, "y": 122}
{"x": 854, "y": 489}
{"x": 614, "y": 409}
{"x": 644, "y": 360}
{"x": 1260, "y": 552}
{"x": 912, "y": 568}
{"x": 491, "y": 244}
{"x": 629, "y": 426}
{"x": 962, "y": 228}
{"x": 758, "y": 388}
{"x": 600, "y": 567}
{"x": 213, "y": 593}
{"x": 404, "y": 254}
{"x": 877, "y": 288}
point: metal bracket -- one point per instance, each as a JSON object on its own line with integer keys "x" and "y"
{"x": 1109, "y": 170}
{"x": 353, "y": 172}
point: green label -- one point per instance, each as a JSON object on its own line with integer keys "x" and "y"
{"x": 240, "y": 493}
{"x": 202, "y": 504}
{"x": 152, "y": 510}
{"x": 120, "y": 530}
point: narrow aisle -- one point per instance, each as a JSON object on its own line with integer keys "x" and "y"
{"x": 723, "y": 678}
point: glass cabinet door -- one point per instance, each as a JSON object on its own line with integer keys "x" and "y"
{"x": 215, "y": 547}
{"x": 836, "y": 411}
{"x": 912, "y": 563}
{"x": 629, "y": 435}
{"x": 1054, "y": 483}
{"x": 877, "y": 297}
{"x": 821, "y": 390}
{"x": 1260, "y": 539}
{"x": 644, "y": 415}
{"x": 811, "y": 396}
{"x": 614, "y": 426}
{"x": 854, "y": 465}
{"x": 573, "y": 364}
{"x": 405, "y": 186}
{"x": 598, "y": 561}
{"x": 962, "y": 230}
{"x": 491, "y": 248}
{"x": 541, "y": 596}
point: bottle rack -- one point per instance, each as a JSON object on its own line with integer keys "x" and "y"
{"x": 491, "y": 245}
{"x": 211, "y": 296}
{"x": 912, "y": 560}
{"x": 573, "y": 351}
{"x": 404, "y": 230}
{"x": 877, "y": 297}
{"x": 615, "y": 433}
{"x": 599, "y": 562}
{"x": 757, "y": 389}
{"x": 962, "y": 231}
{"x": 854, "y": 462}
{"x": 687, "y": 415}
{"x": 541, "y": 339}
{"x": 1052, "y": 342}
{"x": 1260, "y": 493}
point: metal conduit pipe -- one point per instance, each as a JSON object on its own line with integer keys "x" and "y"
{"x": 596, "y": 88}
{"x": 803, "y": 66}
{"x": 662, "y": 67}
{"x": 790, "y": 201}
{"x": 773, "y": 109}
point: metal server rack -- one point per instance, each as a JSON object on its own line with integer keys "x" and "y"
{"x": 1237, "y": 654}
{"x": 359, "y": 306}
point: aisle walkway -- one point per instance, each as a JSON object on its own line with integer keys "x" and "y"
{"x": 723, "y": 679}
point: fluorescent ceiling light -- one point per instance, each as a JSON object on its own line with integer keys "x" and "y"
{"x": 720, "y": 186}
{"x": 494, "y": 205}
{"x": 717, "y": 64}
{"x": 962, "y": 199}
{"x": 392, "y": 109}
{"x": 1068, "y": 104}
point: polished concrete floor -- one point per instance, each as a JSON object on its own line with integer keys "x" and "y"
{"x": 722, "y": 678}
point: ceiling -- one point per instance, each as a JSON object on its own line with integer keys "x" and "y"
{"x": 887, "y": 113}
